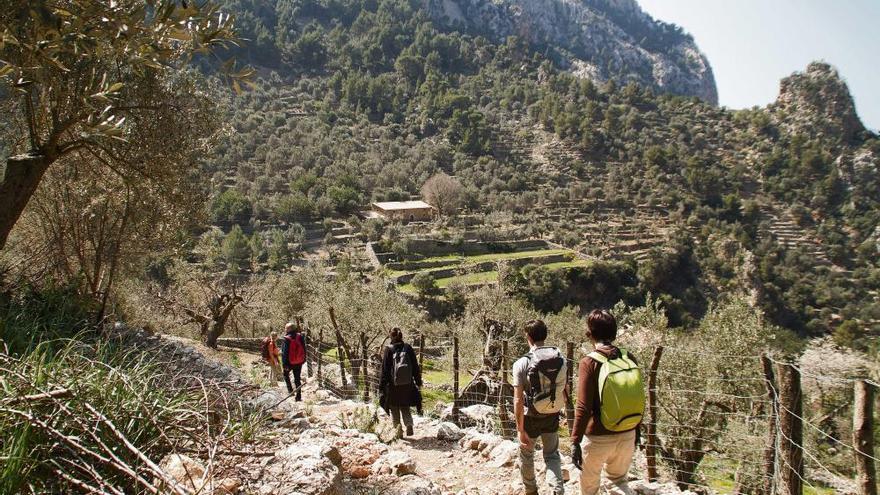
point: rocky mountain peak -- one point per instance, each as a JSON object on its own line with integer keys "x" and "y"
{"x": 818, "y": 99}
{"x": 597, "y": 39}
{"x": 630, "y": 7}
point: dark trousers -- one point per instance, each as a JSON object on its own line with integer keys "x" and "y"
{"x": 402, "y": 411}
{"x": 297, "y": 379}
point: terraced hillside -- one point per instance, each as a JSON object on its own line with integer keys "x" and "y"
{"x": 473, "y": 263}
{"x": 785, "y": 230}
{"x": 385, "y": 98}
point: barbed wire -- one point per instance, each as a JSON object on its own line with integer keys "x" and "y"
{"x": 819, "y": 378}
{"x": 661, "y": 372}
{"x": 668, "y": 461}
{"x": 806, "y": 453}
{"x": 826, "y": 435}
{"x": 788, "y": 467}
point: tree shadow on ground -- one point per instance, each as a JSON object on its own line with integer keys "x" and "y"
{"x": 429, "y": 443}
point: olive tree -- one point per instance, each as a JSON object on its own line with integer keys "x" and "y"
{"x": 444, "y": 193}
{"x": 490, "y": 317}
{"x": 91, "y": 225}
{"x": 83, "y": 74}
{"x": 210, "y": 302}
{"x": 710, "y": 388}
{"x": 425, "y": 284}
{"x": 357, "y": 313}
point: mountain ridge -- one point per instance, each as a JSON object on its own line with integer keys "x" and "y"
{"x": 596, "y": 39}
{"x": 369, "y": 100}
{"x": 820, "y": 99}
{"x": 601, "y": 40}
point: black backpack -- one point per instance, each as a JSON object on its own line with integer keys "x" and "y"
{"x": 402, "y": 368}
{"x": 547, "y": 372}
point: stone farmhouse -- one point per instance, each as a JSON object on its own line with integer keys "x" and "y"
{"x": 404, "y": 211}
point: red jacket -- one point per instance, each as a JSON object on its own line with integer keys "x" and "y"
{"x": 293, "y": 351}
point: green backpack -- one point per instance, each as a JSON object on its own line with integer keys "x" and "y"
{"x": 621, "y": 392}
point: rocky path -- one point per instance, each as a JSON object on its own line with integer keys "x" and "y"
{"x": 328, "y": 446}
{"x": 438, "y": 459}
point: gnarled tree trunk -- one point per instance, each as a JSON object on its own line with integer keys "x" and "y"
{"x": 221, "y": 308}
{"x": 486, "y": 383}
{"x": 20, "y": 180}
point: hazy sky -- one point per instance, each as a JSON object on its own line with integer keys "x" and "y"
{"x": 752, "y": 44}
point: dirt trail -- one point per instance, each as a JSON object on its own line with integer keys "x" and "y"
{"x": 452, "y": 468}
{"x": 449, "y": 466}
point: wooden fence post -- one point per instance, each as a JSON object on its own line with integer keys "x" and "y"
{"x": 421, "y": 351}
{"x": 791, "y": 450}
{"x": 569, "y": 380}
{"x": 863, "y": 438}
{"x": 365, "y": 369}
{"x": 309, "y": 370}
{"x": 652, "y": 442}
{"x": 769, "y": 466}
{"x": 502, "y": 405}
{"x": 455, "y": 378}
{"x": 320, "y": 355}
{"x": 340, "y": 356}
{"x": 340, "y": 351}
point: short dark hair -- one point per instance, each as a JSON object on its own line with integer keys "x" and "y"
{"x": 601, "y": 325}
{"x": 396, "y": 335}
{"x": 536, "y": 330}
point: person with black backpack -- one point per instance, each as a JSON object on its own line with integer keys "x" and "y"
{"x": 400, "y": 382}
{"x": 540, "y": 394}
{"x": 610, "y": 406}
{"x": 293, "y": 356}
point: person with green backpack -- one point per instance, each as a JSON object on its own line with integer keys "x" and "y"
{"x": 610, "y": 406}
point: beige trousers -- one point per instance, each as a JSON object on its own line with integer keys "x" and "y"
{"x": 612, "y": 452}
{"x": 274, "y": 372}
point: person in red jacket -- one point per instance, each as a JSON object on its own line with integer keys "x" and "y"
{"x": 293, "y": 356}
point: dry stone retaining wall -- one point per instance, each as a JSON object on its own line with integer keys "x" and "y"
{"x": 184, "y": 366}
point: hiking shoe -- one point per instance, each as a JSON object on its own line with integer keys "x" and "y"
{"x": 409, "y": 431}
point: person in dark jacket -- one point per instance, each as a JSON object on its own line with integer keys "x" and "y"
{"x": 400, "y": 381}
{"x": 293, "y": 356}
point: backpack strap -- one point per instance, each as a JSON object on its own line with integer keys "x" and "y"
{"x": 598, "y": 357}
{"x": 601, "y": 359}
{"x": 527, "y": 387}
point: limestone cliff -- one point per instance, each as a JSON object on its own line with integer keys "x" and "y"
{"x": 817, "y": 101}
{"x": 599, "y": 39}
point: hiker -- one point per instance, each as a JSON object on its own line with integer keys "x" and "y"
{"x": 293, "y": 355}
{"x": 610, "y": 405}
{"x": 400, "y": 382}
{"x": 540, "y": 392}
{"x": 271, "y": 355}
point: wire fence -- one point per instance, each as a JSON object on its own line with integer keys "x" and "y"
{"x": 739, "y": 427}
